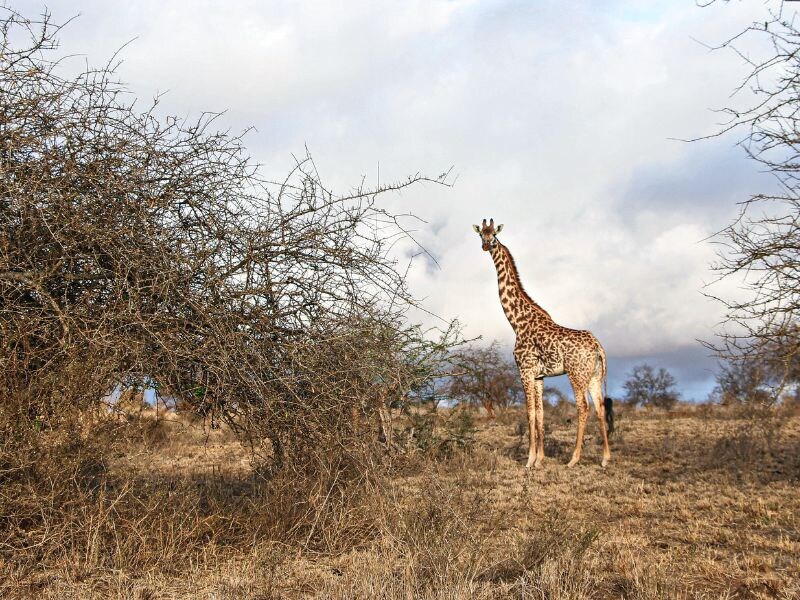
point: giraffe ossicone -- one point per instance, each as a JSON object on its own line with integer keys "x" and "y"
{"x": 544, "y": 348}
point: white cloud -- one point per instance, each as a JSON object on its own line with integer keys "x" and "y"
{"x": 557, "y": 117}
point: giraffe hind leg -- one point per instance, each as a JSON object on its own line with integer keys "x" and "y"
{"x": 582, "y": 404}
{"x": 596, "y": 392}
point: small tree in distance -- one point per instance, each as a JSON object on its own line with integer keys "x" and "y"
{"x": 555, "y": 397}
{"x": 647, "y": 386}
{"x": 742, "y": 382}
{"x": 755, "y": 380}
{"x": 483, "y": 375}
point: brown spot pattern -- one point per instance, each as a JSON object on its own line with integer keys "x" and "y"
{"x": 544, "y": 348}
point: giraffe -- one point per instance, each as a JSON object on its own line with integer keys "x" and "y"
{"x": 545, "y": 349}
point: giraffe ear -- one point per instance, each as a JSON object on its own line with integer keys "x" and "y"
{"x": 476, "y": 228}
{"x": 499, "y": 228}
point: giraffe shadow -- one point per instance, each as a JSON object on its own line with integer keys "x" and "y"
{"x": 553, "y": 449}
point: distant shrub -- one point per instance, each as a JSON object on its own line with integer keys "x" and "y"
{"x": 647, "y": 386}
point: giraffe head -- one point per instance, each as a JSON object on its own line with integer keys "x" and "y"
{"x": 488, "y": 234}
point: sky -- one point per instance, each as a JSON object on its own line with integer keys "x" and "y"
{"x": 561, "y": 120}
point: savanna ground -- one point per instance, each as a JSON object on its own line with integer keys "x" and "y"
{"x": 697, "y": 503}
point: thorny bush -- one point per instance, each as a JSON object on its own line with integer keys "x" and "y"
{"x": 140, "y": 250}
{"x": 143, "y": 250}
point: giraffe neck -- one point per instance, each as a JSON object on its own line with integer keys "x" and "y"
{"x": 518, "y": 306}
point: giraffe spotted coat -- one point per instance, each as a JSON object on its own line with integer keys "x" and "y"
{"x": 544, "y": 348}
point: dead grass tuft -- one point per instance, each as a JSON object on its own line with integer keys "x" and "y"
{"x": 115, "y": 511}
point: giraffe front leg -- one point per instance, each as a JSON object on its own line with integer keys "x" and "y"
{"x": 539, "y": 405}
{"x": 529, "y": 383}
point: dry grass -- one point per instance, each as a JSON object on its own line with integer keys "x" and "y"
{"x": 696, "y": 504}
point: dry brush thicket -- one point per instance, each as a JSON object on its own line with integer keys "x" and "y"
{"x": 140, "y": 250}
{"x": 689, "y": 509}
{"x": 137, "y": 249}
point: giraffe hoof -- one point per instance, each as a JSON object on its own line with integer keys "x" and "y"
{"x": 604, "y": 463}
{"x": 537, "y": 464}
{"x": 572, "y": 463}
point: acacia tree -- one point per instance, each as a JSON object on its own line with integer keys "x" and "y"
{"x": 743, "y": 382}
{"x": 647, "y": 386}
{"x": 754, "y": 380}
{"x": 762, "y": 246}
{"x": 135, "y": 248}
